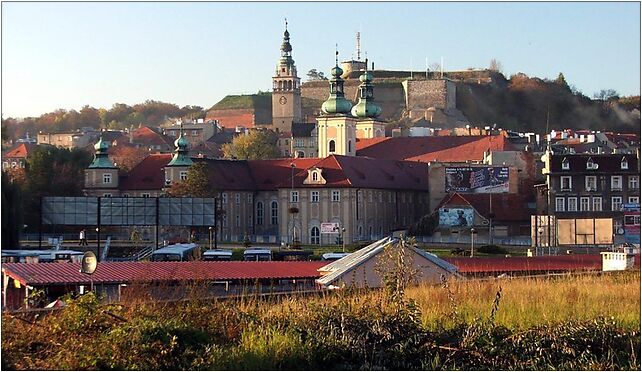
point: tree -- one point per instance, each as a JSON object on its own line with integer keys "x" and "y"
{"x": 606, "y": 95}
{"x": 561, "y": 81}
{"x": 12, "y": 213}
{"x": 257, "y": 144}
{"x": 196, "y": 185}
{"x": 313, "y": 75}
{"x": 495, "y": 65}
{"x": 127, "y": 157}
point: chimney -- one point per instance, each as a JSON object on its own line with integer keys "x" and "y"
{"x": 372, "y": 66}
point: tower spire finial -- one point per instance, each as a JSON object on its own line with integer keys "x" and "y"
{"x": 336, "y": 54}
{"x": 286, "y": 23}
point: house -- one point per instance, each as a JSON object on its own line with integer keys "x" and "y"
{"x": 365, "y": 268}
{"x": 68, "y": 140}
{"x": 17, "y": 156}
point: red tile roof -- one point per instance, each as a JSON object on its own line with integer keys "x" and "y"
{"x": 228, "y": 174}
{"x": 506, "y": 207}
{"x": 147, "y": 175}
{"x": 270, "y": 174}
{"x": 576, "y": 262}
{"x": 129, "y": 272}
{"x": 147, "y": 136}
{"x": 21, "y": 150}
{"x": 433, "y": 148}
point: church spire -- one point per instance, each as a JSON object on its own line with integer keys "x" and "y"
{"x": 366, "y": 107}
{"x": 336, "y": 102}
{"x": 101, "y": 158}
{"x": 181, "y": 157}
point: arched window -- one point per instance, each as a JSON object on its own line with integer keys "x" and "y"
{"x": 315, "y": 176}
{"x": 300, "y": 154}
{"x": 280, "y": 84}
{"x": 349, "y": 145}
{"x": 259, "y": 213}
{"x": 331, "y": 146}
{"x": 370, "y": 232}
{"x": 290, "y": 85}
{"x": 274, "y": 214}
{"x": 315, "y": 236}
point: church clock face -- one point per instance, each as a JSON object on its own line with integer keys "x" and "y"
{"x": 283, "y": 100}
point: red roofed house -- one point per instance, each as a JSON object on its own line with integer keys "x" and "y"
{"x": 17, "y": 156}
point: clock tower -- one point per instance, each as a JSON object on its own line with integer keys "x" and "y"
{"x": 286, "y": 89}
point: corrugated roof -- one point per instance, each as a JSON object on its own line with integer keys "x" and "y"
{"x": 130, "y": 272}
{"x": 578, "y": 262}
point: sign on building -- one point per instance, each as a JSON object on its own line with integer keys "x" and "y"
{"x": 330, "y": 228}
{"x": 631, "y": 213}
{"x": 477, "y": 179}
{"x": 456, "y": 217}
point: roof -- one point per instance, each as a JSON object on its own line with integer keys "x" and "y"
{"x": 340, "y": 267}
{"x": 131, "y": 272}
{"x": 271, "y": 174}
{"x": 505, "y": 207}
{"x": 578, "y": 262}
{"x": 607, "y": 163}
{"x": 303, "y": 129}
{"x": 148, "y": 136}
{"x": 22, "y": 150}
{"x": 147, "y": 175}
{"x": 433, "y": 148}
{"x": 229, "y": 174}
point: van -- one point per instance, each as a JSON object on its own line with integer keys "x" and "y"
{"x": 257, "y": 255}
{"x": 217, "y": 255}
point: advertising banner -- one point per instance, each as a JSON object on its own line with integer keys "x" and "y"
{"x": 477, "y": 179}
{"x": 456, "y": 217}
{"x": 631, "y": 213}
{"x": 330, "y": 228}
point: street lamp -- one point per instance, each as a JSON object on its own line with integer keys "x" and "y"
{"x": 343, "y": 239}
{"x": 540, "y": 232}
{"x": 210, "y": 230}
{"x": 472, "y": 240}
{"x": 98, "y": 242}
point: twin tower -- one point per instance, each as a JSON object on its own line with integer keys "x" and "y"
{"x": 341, "y": 123}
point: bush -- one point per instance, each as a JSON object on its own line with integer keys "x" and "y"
{"x": 492, "y": 249}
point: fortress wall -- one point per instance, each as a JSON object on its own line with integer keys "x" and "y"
{"x": 230, "y": 118}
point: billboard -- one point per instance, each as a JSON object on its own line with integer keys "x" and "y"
{"x": 456, "y": 217}
{"x": 330, "y": 228}
{"x": 631, "y": 213}
{"x": 476, "y": 179}
{"x": 585, "y": 231}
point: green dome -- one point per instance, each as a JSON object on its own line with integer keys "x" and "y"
{"x": 337, "y": 105}
{"x": 336, "y": 71}
{"x": 101, "y": 145}
{"x": 366, "y": 77}
{"x": 366, "y": 109}
{"x": 101, "y": 158}
{"x": 181, "y": 142}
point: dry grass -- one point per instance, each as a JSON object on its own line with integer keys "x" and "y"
{"x": 527, "y": 302}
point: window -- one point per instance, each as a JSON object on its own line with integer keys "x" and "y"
{"x": 370, "y": 196}
{"x": 237, "y": 198}
{"x": 315, "y": 176}
{"x": 107, "y": 195}
{"x": 274, "y": 213}
{"x": 107, "y": 178}
{"x": 390, "y": 197}
{"x": 194, "y": 133}
{"x": 632, "y": 220}
{"x": 145, "y": 195}
{"x": 249, "y": 221}
{"x": 298, "y": 142}
{"x": 249, "y": 198}
{"x": 300, "y": 154}
{"x": 590, "y": 183}
{"x": 314, "y": 196}
{"x": 238, "y": 221}
{"x": 315, "y": 236}
{"x": 294, "y": 196}
{"x": 572, "y": 204}
{"x": 380, "y": 197}
{"x": 125, "y": 195}
{"x": 225, "y": 220}
{"x": 183, "y": 175}
{"x": 259, "y": 213}
{"x": 590, "y": 164}
{"x": 616, "y": 203}
{"x": 634, "y": 199}
{"x": 566, "y": 183}
{"x": 565, "y": 164}
{"x": 336, "y": 196}
{"x": 597, "y": 203}
{"x": 624, "y": 164}
{"x": 224, "y": 198}
{"x": 349, "y": 146}
{"x": 616, "y": 182}
{"x": 634, "y": 182}
{"x": 584, "y": 204}
{"x": 559, "y": 204}
{"x": 331, "y": 146}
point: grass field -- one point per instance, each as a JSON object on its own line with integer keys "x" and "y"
{"x": 564, "y": 323}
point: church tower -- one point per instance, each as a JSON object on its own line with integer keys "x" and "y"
{"x": 286, "y": 89}
{"x": 335, "y": 127}
{"x": 366, "y": 110}
{"x": 176, "y": 169}
{"x": 101, "y": 177}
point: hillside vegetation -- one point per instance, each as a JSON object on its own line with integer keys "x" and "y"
{"x": 523, "y": 103}
{"x": 572, "y": 323}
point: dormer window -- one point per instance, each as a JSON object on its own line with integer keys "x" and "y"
{"x": 590, "y": 164}
{"x": 565, "y": 164}
{"x": 624, "y": 164}
{"x": 315, "y": 176}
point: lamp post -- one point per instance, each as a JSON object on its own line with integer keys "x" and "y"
{"x": 210, "y": 236}
{"x": 343, "y": 238}
{"x": 540, "y": 232}
{"x": 98, "y": 242}
{"x": 472, "y": 241}
{"x": 291, "y": 204}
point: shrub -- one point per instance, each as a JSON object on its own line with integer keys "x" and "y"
{"x": 492, "y": 249}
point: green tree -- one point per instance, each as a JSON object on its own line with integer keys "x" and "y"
{"x": 561, "y": 81}
{"x": 12, "y": 213}
{"x": 257, "y": 144}
{"x": 196, "y": 185}
{"x": 313, "y": 75}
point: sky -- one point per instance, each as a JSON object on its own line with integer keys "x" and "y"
{"x": 67, "y": 55}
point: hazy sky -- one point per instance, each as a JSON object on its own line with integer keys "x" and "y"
{"x": 66, "y": 55}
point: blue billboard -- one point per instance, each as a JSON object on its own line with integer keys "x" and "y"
{"x": 476, "y": 179}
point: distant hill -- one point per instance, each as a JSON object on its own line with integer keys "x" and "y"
{"x": 523, "y": 103}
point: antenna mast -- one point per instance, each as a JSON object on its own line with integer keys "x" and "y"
{"x": 358, "y": 46}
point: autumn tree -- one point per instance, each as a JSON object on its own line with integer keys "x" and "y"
{"x": 257, "y": 144}
{"x": 12, "y": 213}
{"x": 495, "y": 65}
{"x": 127, "y": 157}
{"x": 196, "y": 185}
